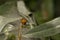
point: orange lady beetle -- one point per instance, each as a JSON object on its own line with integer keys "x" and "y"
{"x": 23, "y": 21}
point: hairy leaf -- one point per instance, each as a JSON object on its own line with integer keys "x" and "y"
{"x": 44, "y": 30}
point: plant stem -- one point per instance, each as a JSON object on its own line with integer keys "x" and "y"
{"x": 20, "y": 32}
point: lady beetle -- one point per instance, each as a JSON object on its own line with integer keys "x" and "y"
{"x": 23, "y": 21}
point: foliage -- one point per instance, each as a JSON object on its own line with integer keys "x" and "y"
{"x": 8, "y": 14}
{"x": 50, "y": 28}
{"x": 11, "y": 37}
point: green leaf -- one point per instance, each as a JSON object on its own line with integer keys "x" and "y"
{"x": 8, "y": 13}
{"x": 45, "y": 30}
{"x": 8, "y": 28}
